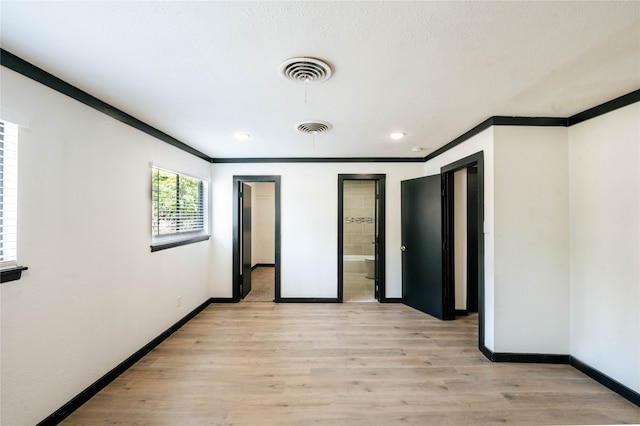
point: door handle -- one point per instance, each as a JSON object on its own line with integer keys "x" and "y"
{"x": 402, "y": 248}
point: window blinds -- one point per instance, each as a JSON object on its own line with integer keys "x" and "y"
{"x": 179, "y": 204}
{"x": 8, "y": 194}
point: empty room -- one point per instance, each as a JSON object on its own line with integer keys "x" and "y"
{"x": 339, "y": 213}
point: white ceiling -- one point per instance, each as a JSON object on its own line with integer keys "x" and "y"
{"x": 202, "y": 71}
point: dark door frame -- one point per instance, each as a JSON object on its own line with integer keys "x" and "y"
{"x": 237, "y": 181}
{"x": 380, "y": 180}
{"x": 447, "y": 172}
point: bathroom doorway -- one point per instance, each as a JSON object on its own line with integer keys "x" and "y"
{"x": 256, "y": 238}
{"x": 361, "y": 238}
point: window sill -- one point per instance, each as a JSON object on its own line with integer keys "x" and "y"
{"x": 12, "y": 274}
{"x": 177, "y": 243}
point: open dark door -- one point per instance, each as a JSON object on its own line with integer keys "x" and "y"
{"x": 422, "y": 268}
{"x": 246, "y": 240}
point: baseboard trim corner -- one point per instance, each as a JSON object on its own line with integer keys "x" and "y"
{"x": 617, "y": 387}
{"x": 612, "y": 384}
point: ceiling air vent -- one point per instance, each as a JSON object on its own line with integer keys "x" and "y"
{"x": 313, "y": 127}
{"x": 305, "y": 70}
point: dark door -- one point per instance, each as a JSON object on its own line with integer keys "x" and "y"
{"x": 422, "y": 270}
{"x": 246, "y": 240}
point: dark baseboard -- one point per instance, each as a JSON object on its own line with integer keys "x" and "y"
{"x": 223, "y": 300}
{"x": 531, "y": 358}
{"x": 461, "y": 313}
{"x": 605, "y": 380}
{"x": 523, "y": 357}
{"x": 305, "y": 300}
{"x": 263, "y": 265}
{"x": 391, "y": 300}
{"x": 75, "y": 403}
{"x": 596, "y": 375}
{"x": 486, "y": 352}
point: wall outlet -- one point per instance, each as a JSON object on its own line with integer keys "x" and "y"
{"x": 178, "y": 301}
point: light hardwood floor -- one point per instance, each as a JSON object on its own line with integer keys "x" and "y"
{"x": 341, "y": 364}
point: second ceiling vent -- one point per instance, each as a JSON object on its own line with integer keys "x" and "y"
{"x": 305, "y": 70}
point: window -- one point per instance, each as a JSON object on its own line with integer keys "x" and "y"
{"x": 8, "y": 195}
{"x": 179, "y": 209}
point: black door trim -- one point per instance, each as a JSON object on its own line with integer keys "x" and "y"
{"x": 237, "y": 181}
{"x": 447, "y": 172}
{"x": 380, "y": 179}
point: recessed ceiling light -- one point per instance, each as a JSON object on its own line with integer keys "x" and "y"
{"x": 242, "y": 136}
{"x": 396, "y": 135}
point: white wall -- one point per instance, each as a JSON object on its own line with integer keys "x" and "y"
{"x": 263, "y": 223}
{"x": 604, "y": 155}
{"x": 480, "y": 142}
{"x": 525, "y": 235}
{"x": 309, "y": 240}
{"x": 531, "y": 240}
{"x": 94, "y": 293}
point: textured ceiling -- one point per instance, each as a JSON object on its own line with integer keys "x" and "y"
{"x": 202, "y": 71}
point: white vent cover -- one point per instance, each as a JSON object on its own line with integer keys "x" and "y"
{"x": 305, "y": 70}
{"x": 313, "y": 127}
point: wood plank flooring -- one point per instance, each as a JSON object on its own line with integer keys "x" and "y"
{"x": 341, "y": 364}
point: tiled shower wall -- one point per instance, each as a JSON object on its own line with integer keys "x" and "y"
{"x": 359, "y": 217}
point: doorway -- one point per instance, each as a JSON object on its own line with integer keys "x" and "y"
{"x": 361, "y": 237}
{"x": 473, "y": 165}
{"x": 256, "y": 238}
{"x": 465, "y": 240}
{"x": 429, "y": 244}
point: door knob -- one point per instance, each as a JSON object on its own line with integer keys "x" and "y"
{"x": 402, "y": 248}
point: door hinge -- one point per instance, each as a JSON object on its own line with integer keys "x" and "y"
{"x": 241, "y": 194}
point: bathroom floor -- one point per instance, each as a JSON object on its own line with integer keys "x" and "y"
{"x": 357, "y": 288}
